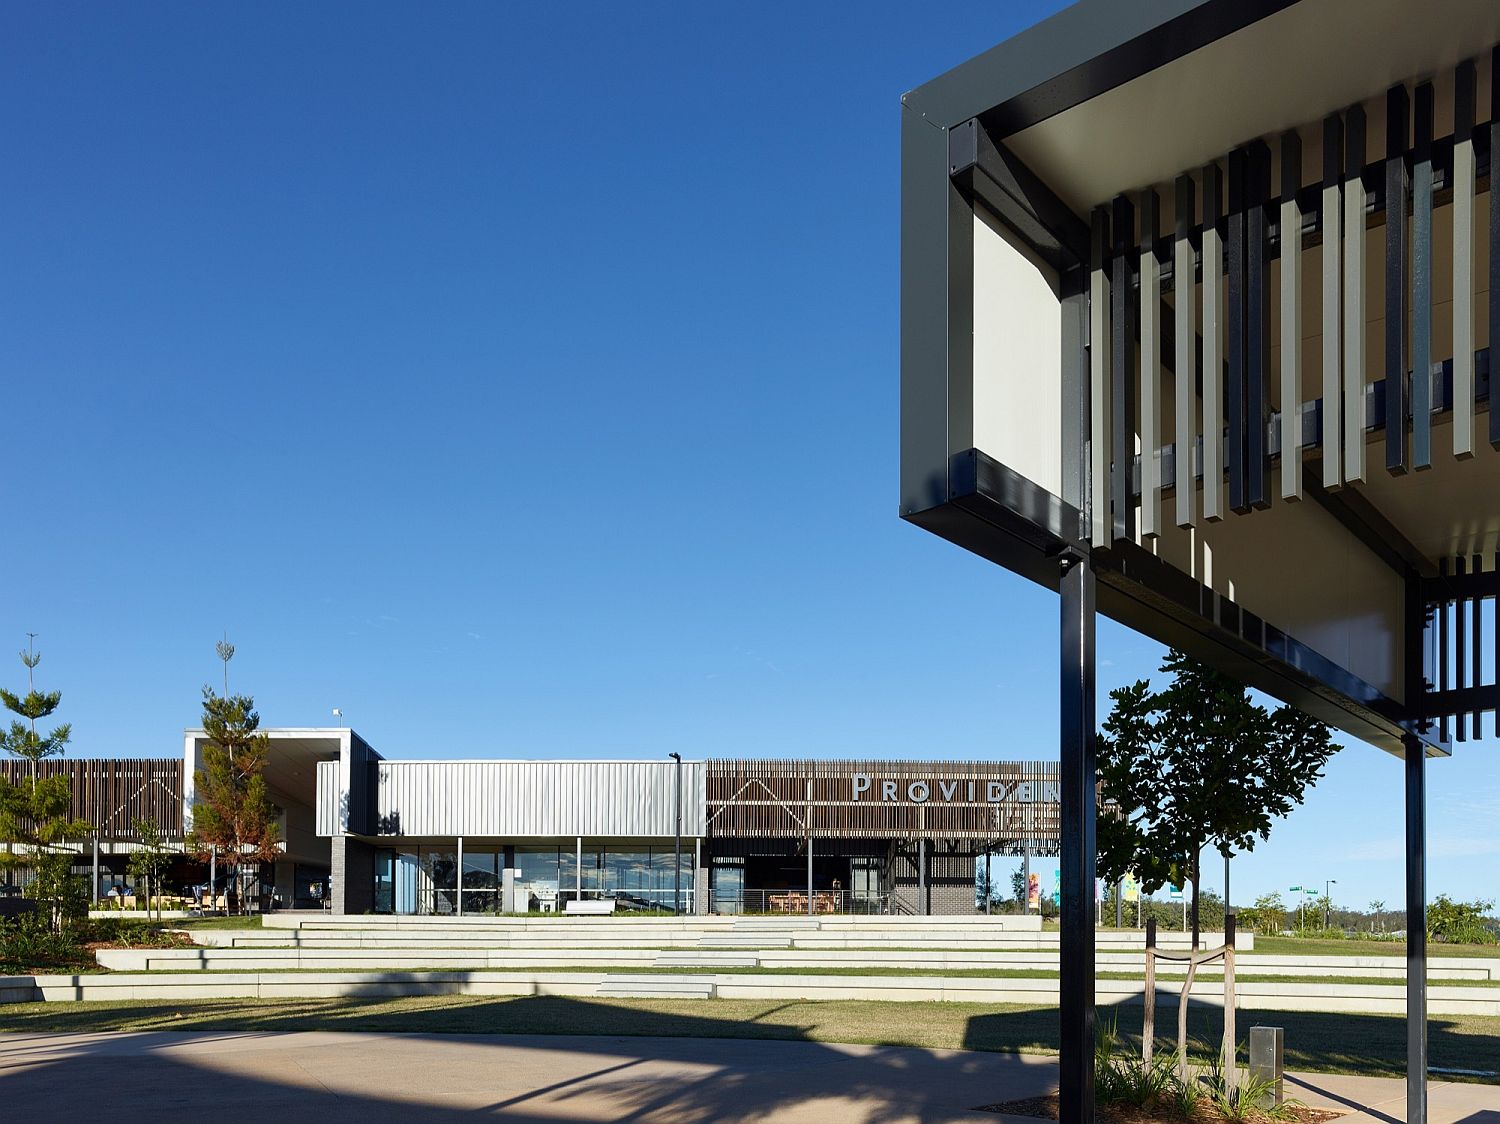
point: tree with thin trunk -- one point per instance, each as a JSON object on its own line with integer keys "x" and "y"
{"x": 232, "y": 809}
{"x": 150, "y": 860}
{"x": 36, "y": 814}
{"x": 1197, "y": 764}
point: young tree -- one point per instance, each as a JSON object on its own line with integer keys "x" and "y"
{"x": 1377, "y": 908}
{"x": 150, "y": 862}
{"x": 36, "y": 813}
{"x": 1270, "y": 914}
{"x": 1018, "y": 888}
{"x": 232, "y": 810}
{"x": 1197, "y": 764}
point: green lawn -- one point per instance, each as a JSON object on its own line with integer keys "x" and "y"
{"x": 234, "y": 921}
{"x": 1202, "y": 978}
{"x": 1339, "y": 1043}
{"x": 1303, "y": 946}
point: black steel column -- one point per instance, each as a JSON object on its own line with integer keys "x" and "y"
{"x": 677, "y": 834}
{"x": 1077, "y": 850}
{"x": 1416, "y": 931}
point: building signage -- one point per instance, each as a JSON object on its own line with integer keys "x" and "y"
{"x": 867, "y": 787}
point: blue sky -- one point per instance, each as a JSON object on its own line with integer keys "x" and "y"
{"x": 523, "y": 381}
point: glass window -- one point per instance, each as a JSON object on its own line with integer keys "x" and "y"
{"x": 539, "y": 877}
{"x": 438, "y": 890}
{"x": 484, "y": 870}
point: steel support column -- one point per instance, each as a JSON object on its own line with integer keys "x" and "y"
{"x": 1077, "y": 850}
{"x": 1416, "y": 931}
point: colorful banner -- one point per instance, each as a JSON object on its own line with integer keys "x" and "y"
{"x": 1131, "y": 891}
{"x": 1057, "y": 887}
{"x": 1034, "y": 891}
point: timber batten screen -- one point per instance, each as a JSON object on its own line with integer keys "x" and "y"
{"x": 111, "y": 794}
{"x": 1008, "y": 802}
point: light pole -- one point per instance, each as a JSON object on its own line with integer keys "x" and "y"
{"x": 677, "y": 842}
{"x": 1328, "y": 884}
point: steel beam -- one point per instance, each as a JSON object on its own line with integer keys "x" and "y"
{"x": 1494, "y": 253}
{"x": 1184, "y": 380}
{"x": 1099, "y": 368}
{"x": 1354, "y": 295}
{"x": 1122, "y": 355}
{"x": 1257, "y": 326}
{"x": 1416, "y": 931}
{"x": 1397, "y": 130}
{"x": 1421, "y": 281}
{"x": 1290, "y": 237}
{"x": 1462, "y": 180}
{"x": 1213, "y": 351}
{"x": 1150, "y": 313}
{"x": 1079, "y": 776}
{"x": 1333, "y": 223}
{"x": 1235, "y": 330}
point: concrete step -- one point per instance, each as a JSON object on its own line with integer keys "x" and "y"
{"x": 709, "y": 958}
{"x": 618, "y": 986}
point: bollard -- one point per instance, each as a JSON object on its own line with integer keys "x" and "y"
{"x": 1265, "y": 1061}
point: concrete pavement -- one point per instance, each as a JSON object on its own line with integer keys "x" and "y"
{"x": 334, "y": 1078}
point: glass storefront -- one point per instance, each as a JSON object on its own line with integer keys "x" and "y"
{"x": 424, "y": 879}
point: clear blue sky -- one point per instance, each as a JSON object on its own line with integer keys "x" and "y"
{"x": 523, "y": 381}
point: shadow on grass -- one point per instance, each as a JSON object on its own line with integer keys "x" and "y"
{"x": 1338, "y": 1042}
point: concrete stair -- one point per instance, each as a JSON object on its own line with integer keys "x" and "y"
{"x": 621, "y": 986}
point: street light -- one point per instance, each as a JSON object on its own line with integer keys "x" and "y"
{"x": 1328, "y": 884}
{"x": 677, "y": 842}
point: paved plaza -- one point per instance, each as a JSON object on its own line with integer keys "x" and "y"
{"x": 333, "y": 1078}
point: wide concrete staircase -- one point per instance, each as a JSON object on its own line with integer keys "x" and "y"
{"x": 913, "y": 959}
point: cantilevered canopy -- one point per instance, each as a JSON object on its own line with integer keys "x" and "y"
{"x": 1144, "y": 240}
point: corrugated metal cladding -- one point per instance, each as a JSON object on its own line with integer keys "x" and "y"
{"x": 328, "y": 798}
{"x": 512, "y": 799}
{"x": 1002, "y": 800}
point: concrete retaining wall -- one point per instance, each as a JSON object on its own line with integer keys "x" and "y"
{"x": 343, "y": 958}
{"x": 1373, "y": 999}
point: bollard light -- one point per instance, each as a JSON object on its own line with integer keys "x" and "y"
{"x": 1266, "y": 1044}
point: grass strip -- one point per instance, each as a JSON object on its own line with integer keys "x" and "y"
{"x": 1336, "y": 1043}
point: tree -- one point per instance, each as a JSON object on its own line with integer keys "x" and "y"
{"x": 1197, "y": 764}
{"x": 36, "y": 813}
{"x": 986, "y": 886}
{"x": 1018, "y": 888}
{"x": 1268, "y": 917}
{"x": 1454, "y": 922}
{"x": 1377, "y": 908}
{"x": 232, "y": 810}
{"x": 150, "y": 861}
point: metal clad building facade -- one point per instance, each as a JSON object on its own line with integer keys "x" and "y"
{"x": 536, "y": 799}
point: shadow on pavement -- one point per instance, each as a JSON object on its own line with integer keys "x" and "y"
{"x": 247, "y": 1072}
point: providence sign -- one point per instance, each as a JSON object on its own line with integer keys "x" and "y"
{"x": 965, "y": 791}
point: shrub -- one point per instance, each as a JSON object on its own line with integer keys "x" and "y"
{"x": 1459, "y": 922}
{"x": 129, "y": 932}
{"x": 28, "y": 945}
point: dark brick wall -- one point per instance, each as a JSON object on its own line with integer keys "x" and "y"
{"x": 353, "y": 874}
